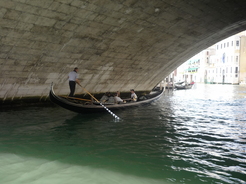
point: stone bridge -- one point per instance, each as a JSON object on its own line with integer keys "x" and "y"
{"x": 116, "y": 44}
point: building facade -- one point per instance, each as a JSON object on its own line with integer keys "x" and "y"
{"x": 242, "y": 60}
{"x": 222, "y": 63}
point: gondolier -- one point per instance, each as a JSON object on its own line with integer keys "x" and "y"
{"x": 73, "y": 79}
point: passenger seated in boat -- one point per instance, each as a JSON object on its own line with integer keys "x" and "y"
{"x": 134, "y": 97}
{"x": 110, "y": 99}
{"x": 117, "y": 99}
{"x": 104, "y": 97}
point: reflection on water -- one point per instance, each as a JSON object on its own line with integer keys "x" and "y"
{"x": 191, "y": 136}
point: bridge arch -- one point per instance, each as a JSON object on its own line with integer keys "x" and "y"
{"x": 117, "y": 45}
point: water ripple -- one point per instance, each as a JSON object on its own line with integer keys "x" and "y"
{"x": 194, "y": 136}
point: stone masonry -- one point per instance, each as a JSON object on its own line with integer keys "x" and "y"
{"x": 117, "y": 44}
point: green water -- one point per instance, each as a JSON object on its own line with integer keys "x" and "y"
{"x": 193, "y": 136}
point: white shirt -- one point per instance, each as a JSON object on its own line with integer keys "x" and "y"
{"x": 117, "y": 99}
{"x": 73, "y": 76}
{"x": 134, "y": 97}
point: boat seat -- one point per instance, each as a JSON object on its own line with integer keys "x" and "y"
{"x": 142, "y": 98}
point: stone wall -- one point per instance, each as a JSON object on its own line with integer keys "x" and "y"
{"x": 117, "y": 45}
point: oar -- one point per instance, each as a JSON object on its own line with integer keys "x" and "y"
{"x": 115, "y": 116}
{"x": 82, "y": 99}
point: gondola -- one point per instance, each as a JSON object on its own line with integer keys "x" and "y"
{"x": 83, "y": 106}
{"x": 182, "y": 85}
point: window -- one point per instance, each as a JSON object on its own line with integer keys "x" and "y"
{"x": 231, "y": 43}
{"x": 236, "y": 70}
{"x": 236, "y": 58}
{"x": 223, "y": 58}
{"x": 237, "y": 43}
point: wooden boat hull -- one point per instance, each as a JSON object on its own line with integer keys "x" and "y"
{"x": 92, "y": 108}
{"x": 183, "y": 87}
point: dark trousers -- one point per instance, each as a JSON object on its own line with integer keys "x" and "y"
{"x": 72, "y": 88}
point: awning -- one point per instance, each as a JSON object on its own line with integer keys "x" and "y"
{"x": 192, "y": 69}
{"x": 192, "y": 61}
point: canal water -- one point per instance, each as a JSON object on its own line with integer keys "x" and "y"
{"x": 188, "y": 136}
